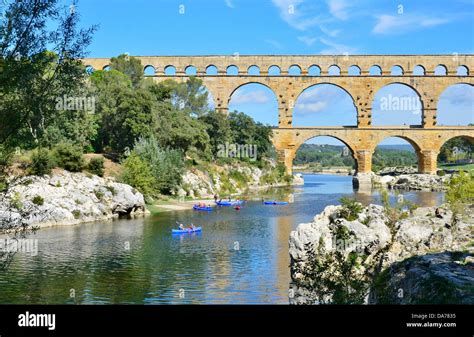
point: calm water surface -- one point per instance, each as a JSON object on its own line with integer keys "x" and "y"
{"x": 240, "y": 257}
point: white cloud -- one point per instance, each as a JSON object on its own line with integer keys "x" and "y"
{"x": 309, "y": 41}
{"x": 329, "y": 32}
{"x": 229, "y": 3}
{"x": 307, "y": 108}
{"x": 336, "y": 48}
{"x": 397, "y": 24}
{"x": 297, "y": 14}
{"x": 338, "y": 9}
{"x": 252, "y": 97}
{"x": 460, "y": 94}
{"x": 274, "y": 43}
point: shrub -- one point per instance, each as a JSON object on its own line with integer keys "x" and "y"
{"x": 16, "y": 201}
{"x": 38, "y": 200}
{"x": 460, "y": 191}
{"x": 240, "y": 178}
{"x": 99, "y": 194}
{"x": 111, "y": 190}
{"x": 5, "y": 163}
{"x": 350, "y": 209}
{"x": 138, "y": 173}
{"x": 69, "y": 157}
{"x": 76, "y": 213}
{"x": 166, "y": 166}
{"x": 41, "y": 162}
{"x": 96, "y": 166}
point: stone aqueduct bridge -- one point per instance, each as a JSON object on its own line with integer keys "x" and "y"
{"x": 362, "y": 139}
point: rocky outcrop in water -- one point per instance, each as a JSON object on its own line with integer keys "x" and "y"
{"x": 395, "y": 171}
{"x": 418, "y": 182}
{"x": 394, "y": 179}
{"x": 423, "y": 232}
{"x": 65, "y": 198}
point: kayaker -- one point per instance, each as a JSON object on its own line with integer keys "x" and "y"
{"x": 181, "y": 226}
{"x": 216, "y": 197}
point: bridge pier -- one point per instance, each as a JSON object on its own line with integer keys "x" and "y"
{"x": 286, "y": 157}
{"x": 364, "y": 161}
{"x": 427, "y": 161}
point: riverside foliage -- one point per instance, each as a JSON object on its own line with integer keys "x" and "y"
{"x": 153, "y": 129}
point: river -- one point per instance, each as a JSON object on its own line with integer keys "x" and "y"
{"x": 240, "y": 257}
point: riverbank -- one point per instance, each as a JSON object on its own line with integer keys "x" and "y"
{"x": 170, "y": 204}
{"x": 330, "y": 170}
{"x": 427, "y": 252}
{"x": 205, "y": 181}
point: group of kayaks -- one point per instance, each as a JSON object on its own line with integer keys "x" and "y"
{"x": 237, "y": 204}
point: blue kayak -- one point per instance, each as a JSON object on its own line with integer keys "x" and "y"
{"x": 229, "y": 203}
{"x": 199, "y": 208}
{"x": 187, "y": 230}
{"x": 273, "y": 202}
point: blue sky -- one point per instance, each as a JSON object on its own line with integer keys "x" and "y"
{"x": 200, "y": 27}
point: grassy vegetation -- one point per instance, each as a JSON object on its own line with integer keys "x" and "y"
{"x": 464, "y": 167}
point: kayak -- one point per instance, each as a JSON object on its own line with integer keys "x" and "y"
{"x": 229, "y": 203}
{"x": 272, "y": 202}
{"x": 199, "y": 208}
{"x": 187, "y": 230}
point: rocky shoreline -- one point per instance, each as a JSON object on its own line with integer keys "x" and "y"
{"x": 65, "y": 198}
{"x": 427, "y": 257}
{"x": 199, "y": 184}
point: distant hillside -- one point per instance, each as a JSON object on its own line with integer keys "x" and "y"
{"x": 340, "y": 156}
{"x": 339, "y": 148}
{"x": 396, "y": 147}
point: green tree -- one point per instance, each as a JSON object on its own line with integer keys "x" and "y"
{"x": 218, "y": 128}
{"x": 246, "y": 131}
{"x": 40, "y": 48}
{"x": 129, "y": 66}
{"x": 125, "y": 113}
{"x": 190, "y": 96}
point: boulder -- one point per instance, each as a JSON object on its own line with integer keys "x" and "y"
{"x": 423, "y": 232}
{"x": 65, "y": 198}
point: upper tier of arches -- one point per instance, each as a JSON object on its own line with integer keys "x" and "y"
{"x": 318, "y": 65}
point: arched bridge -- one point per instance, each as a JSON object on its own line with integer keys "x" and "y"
{"x": 427, "y": 139}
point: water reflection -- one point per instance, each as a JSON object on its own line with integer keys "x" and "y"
{"x": 240, "y": 256}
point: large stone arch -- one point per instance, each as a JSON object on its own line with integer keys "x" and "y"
{"x": 339, "y": 137}
{"x": 404, "y": 84}
{"x": 234, "y": 89}
{"x": 304, "y": 88}
{"x": 424, "y": 152}
{"x": 446, "y": 87}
